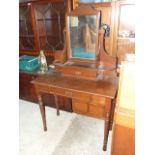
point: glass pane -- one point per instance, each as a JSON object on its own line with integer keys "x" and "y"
{"x": 51, "y": 22}
{"x": 26, "y": 35}
{"x": 82, "y": 34}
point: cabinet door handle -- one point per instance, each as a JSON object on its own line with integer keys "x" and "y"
{"x": 68, "y": 93}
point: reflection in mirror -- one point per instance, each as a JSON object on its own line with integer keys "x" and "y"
{"x": 82, "y": 36}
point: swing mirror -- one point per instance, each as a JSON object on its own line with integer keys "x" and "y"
{"x": 82, "y": 34}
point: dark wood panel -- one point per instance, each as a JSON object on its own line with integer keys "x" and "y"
{"x": 26, "y": 89}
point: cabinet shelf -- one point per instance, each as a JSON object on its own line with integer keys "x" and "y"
{"x": 30, "y": 36}
{"x": 41, "y": 19}
{"x": 48, "y": 35}
{"x": 97, "y": 4}
{"x": 131, "y": 39}
{"x": 21, "y": 20}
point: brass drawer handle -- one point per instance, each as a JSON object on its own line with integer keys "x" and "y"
{"x": 68, "y": 93}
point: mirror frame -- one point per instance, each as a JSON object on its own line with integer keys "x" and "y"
{"x": 83, "y": 10}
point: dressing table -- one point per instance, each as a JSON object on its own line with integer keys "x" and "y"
{"x": 83, "y": 71}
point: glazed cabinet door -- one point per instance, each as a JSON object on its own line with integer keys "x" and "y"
{"x": 125, "y": 29}
{"x": 50, "y": 22}
{"x": 41, "y": 25}
{"x": 26, "y": 29}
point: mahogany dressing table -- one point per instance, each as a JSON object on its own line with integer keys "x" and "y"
{"x": 83, "y": 71}
{"x": 82, "y": 89}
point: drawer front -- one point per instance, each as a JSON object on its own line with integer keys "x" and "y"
{"x": 79, "y": 106}
{"x": 98, "y": 100}
{"x": 79, "y": 72}
{"x": 70, "y": 93}
{"x": 61, "y": 92}
{"x": 82, "y": 96}
{"x": 87, "y": 108}
{"x": 43, "y": 88}
{"x": 96, "y": 111}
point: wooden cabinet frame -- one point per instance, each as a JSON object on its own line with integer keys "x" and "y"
{"x": 122, "y": 42}
{"x": 31, "y": 5}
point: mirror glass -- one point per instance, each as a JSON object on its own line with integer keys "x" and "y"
{"x": 82, "y": 36}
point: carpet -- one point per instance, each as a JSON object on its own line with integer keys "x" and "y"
{"x": 68, "y": 134}
{"x": 83, "y": 137}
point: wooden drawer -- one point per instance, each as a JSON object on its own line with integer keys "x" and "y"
{"x": 98, "y": 100}
{"x": 43, "y": 88}
{"x": 80, "y": 72}
{"x": 79, "y": 106}
{"x": 87, "y": 108}
{"x": 70, "y": 93}
{"x": 96, "y": 110}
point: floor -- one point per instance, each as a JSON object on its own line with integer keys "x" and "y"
{"x": 68, "y": 134}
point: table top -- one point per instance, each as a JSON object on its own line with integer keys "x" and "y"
{"x": 106, "y": 87}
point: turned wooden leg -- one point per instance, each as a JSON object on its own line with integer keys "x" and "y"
{"x": 56, "y": 104}
{"x": 112, "y": 113}
{"x": 106, "y": 130}
{"x": 42, "y": 110}
{"x": 107, "y": 122}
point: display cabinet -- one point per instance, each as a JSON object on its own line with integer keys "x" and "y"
{"x": 50, "y": 21}
{"x": 41, "y": 25}
{"x": 124, "y": 33}
{"x": 26, "y": 31}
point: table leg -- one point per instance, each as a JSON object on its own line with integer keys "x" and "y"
{"x": 42, "y": 110}
{"x": 57, "y": 105}
{"x": 112, "y": 113}
{"x": 107, "y": 123}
